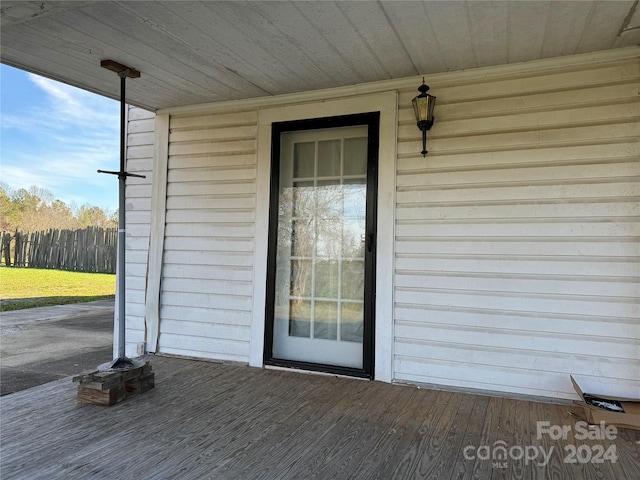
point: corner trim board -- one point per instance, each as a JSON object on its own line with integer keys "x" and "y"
{"x": 156, "y": 237}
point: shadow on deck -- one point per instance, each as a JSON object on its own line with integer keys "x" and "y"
{"x": 208, "y": 420}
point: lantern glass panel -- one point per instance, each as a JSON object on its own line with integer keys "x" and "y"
{"x": 430, "y": 107}
{"x": 420, "y": 108}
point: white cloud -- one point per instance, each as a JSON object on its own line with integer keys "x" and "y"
{"x": 71, "y": 175}
{"x": 61, "y": 144}
{"x": 73, "y": 105}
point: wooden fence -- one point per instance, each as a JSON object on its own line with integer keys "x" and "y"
{"x": 90, "y": 250}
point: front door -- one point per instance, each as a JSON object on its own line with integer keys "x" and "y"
{"x": 322, "y": 245}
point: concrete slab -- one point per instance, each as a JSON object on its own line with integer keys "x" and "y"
{"x": 39, "y": 345}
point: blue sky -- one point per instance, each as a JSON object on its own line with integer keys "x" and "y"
{"x": 56, "y": 136}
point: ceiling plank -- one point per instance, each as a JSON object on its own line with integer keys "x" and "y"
{"x": 342, "y": 37}
{"x": 527, "y": 26}
{"x": 166, "y": 49}
{"x": 566, "y": 26}
{"x": 85, "y": 50}
{"x": 44, "y": 61}
{"x": 15, "y": 13}
{"x": 262, "y": 34}
{"x": 380, "y": 37}
{"x": 293, "y": 22}
{"x": 411, "y": 23}
{"x": 213, "y": 36}
{"x": 489, "y": 32}
{"x": 603, "y": 25}
{"x": 450, "y": 24}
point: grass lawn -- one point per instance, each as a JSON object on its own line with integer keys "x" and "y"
{"x": 34, "y": 287}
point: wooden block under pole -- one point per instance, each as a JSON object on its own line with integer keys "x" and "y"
{"x": 132, "y": 373}
{"x": 101, "y": 380}
{"x": 101, "y": 397}
{"x": 110, "y": 387}
{"x": 146, "y": 368}
{"x": 139, "y": 385}
{"x": 83, "y": 376}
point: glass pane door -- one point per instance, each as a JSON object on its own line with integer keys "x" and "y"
{"x": 321, "y": 242}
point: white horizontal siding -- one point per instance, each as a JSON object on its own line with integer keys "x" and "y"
{"x": 207, "y": 276}
{"x": 140, "y": 139}
{"x": 517, "y": 237}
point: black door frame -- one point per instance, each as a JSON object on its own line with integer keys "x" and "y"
{"x": 372, "y": 121}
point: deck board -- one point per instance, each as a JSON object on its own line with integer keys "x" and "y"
{"x": 221, "y": 421}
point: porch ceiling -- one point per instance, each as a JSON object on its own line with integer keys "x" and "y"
{"x": 210, "y": 51}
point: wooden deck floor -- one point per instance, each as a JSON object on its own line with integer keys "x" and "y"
{"x": 207, "y": 420}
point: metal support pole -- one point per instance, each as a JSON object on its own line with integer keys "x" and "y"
{"x": 122, "y": 221}
{"x": 121, "y": 362}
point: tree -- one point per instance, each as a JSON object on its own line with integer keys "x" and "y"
{"x": 58, "y": 214}
{"x": 36, "y": 209}
{"x": 8, "y": 213}
{"x": 25, "y": 201}
{"x": 92, "y": 217}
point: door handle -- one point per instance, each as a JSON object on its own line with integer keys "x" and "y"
{"x": 369, "y": 242}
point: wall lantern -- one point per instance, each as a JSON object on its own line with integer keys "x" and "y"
{"x": 423, "y": 107}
